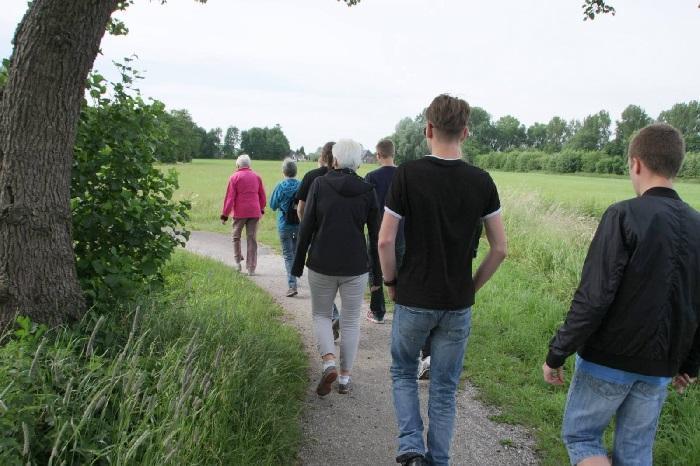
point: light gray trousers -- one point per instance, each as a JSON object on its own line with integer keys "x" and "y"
{"x": 323, "y": 290}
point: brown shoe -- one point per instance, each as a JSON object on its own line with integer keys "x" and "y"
{"x": 327, "y": 378}
{"x": 291, "y": 292}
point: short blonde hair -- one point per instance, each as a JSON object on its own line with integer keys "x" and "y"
{"x": 243, "y": 161}
{"x": 347, "y": 153}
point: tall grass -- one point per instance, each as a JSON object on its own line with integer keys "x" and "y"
{"x": 519, "y": 310}
{"x": 199, "y": 373}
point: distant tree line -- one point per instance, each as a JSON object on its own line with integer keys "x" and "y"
{"x": 558, "y": 145}
{"x": 188, "y": 140}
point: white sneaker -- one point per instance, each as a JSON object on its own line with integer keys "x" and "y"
{"x": 424, "y": 369}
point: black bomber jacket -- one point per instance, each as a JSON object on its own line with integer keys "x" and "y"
{"x": 637, "y": 307}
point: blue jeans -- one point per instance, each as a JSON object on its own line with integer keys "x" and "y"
{"x": 450, "y": 331}
{"x": 590, "y": 406}
{"x": 288, "y": 240}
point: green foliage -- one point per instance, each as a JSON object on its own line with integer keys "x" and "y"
{"x": 593, "y": 134}
{"x": 4, "y": 68}
{"x": 200, "y": 373}
{"x": 691, "y": 166}
{"x": 592, "y": 8}
{"x": 265, "y": 143}
{"x": 125, "y": 222}
{"x": 184, "y": 139}
{"x": 633, "y": 118}
{"x": 686, "y": 118}
{"x": 232, "y": 142}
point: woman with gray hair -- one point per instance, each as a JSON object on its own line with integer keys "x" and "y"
{"x": 282, "y": 199}
{"x": 245, "y": 202}
{"x": 339, "y": 206}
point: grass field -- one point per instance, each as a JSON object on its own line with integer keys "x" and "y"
{"x": 550, "y": 220}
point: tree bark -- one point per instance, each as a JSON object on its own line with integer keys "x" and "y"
{"x": 55, "y": 46}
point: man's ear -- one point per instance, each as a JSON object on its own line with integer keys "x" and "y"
{"x": 429, "y": 131}
{"x": 465, "y": 134}
{"x": 635, "y": 165}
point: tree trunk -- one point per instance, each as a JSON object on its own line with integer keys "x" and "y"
{"x": 55, "y": 46}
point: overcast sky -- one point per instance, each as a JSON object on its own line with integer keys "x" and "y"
{"x": 325, "y": 71}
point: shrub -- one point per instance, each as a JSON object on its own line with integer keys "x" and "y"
{"x": 510, "y": 161}
{"x": 125, "y": 222}
{"x": 589, "y": 161}
{"x": 691, "y": 166}
{"x": 568, "y": 162}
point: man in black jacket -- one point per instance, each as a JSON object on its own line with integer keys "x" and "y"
{"x": 635, "y": 318}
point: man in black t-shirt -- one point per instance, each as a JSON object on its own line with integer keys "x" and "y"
{"x": 441, "y": 199}
{"x": 325, "y": 162}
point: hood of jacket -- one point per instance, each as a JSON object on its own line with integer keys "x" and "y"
{"x": 288, "y": 187}
{"x": 347, "y": 183}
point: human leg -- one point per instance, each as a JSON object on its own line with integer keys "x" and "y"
{"x": 448, "y": 345}
{"x": 635, "y": 424}
{"x": 236, "y": 237}
{"x": 351, "y": 296}
{"x": 251, "y": 237}
{"x": 409, "y": 329}
{"x": 591, "y": 403}
{"x": 288, "y": 240}
{"x": 323, "y": 290}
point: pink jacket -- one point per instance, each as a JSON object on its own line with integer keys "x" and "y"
{"x": 245, "y": 196}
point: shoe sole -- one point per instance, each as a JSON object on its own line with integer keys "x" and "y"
{"x": 373, "y": 320}
{"x": 425, "y": 375}
{"x": 326, "y": 383}
{"x": 291, "y": 295}
{"x": 343, "y": 391}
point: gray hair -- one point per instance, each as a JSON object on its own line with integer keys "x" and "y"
{"x": 289, "y": 168}
{"x": 347, "y": 153}
{"x": 243, "y": 161}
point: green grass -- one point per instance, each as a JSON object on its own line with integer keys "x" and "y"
{"x": 207, "y": 375}
{"x": 550, "y": 220}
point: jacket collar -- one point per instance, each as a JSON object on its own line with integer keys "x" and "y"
{"x": 661, "y": 191}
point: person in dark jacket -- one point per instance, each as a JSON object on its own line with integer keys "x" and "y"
{"x": 339, "y": 206}
{"x": 635, "y": 318}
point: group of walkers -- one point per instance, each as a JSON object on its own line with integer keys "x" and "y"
{"x": 634, "y": 321}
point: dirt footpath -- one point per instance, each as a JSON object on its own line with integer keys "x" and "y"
{"x": 359, "y": 428}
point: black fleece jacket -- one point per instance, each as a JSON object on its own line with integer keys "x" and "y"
{"x": 638, "y": 305}
{"x": 338, "y": 207}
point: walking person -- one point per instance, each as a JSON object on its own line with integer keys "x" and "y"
{"x": 282, "y": 199}
{"x": 245, "y": 202}
{"x": 325, "y": 163}
{"x": 381, "y": 180}
{"x": 339, "y": 206}
{"x": 634, "y": 321}
{"x": 442, "y": 199}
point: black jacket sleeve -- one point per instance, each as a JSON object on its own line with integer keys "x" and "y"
{"x": 308, "y": 227}
{"x": 373, "y": 233}
{"x": 601, "y": 276}
{"x": 691, "y": 365}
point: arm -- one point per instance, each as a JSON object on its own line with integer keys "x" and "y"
{"x": 275, "y": 198}
{"x": 306, "y": 232}
{"x": 498, "y": 247}
{"x": 387, "y": 249}
{"x": 300, "y": 209}
{"x": 228, "y": 201}
{"x": 261, "y": 195}
{"x": 601, "y": 276}
{"x": 373, "y": 233}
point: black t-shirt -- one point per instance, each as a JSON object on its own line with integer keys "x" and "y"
{"x": 303, "y": 191}
{"x": 442, "y": 202}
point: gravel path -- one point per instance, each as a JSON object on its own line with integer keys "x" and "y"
{"x": 359, "y": 428}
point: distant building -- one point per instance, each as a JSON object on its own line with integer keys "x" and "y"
{"x": 368, "y": 157}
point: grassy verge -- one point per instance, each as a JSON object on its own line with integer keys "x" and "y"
{"x": 201, "y": 373}
{"x": 518, "y": 312}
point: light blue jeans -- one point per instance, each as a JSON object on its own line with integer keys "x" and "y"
{"x": 590, "y": 406}
{"x": 450, "y": 332}
{"x": 288, "y": 240}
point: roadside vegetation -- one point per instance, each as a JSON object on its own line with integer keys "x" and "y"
{"x": 200, "y": 372}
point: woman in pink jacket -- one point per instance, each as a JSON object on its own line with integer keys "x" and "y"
{"x": 245, "y": 202}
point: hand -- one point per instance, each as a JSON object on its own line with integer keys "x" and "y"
{"x": 223, "y": 222}
{"x": 682, "y": 381}
{"x": 392, "y": 292}
{"x": 553, "y": 376}
{"x": 372, "y": 289}
{"x": 262, "y": 211}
